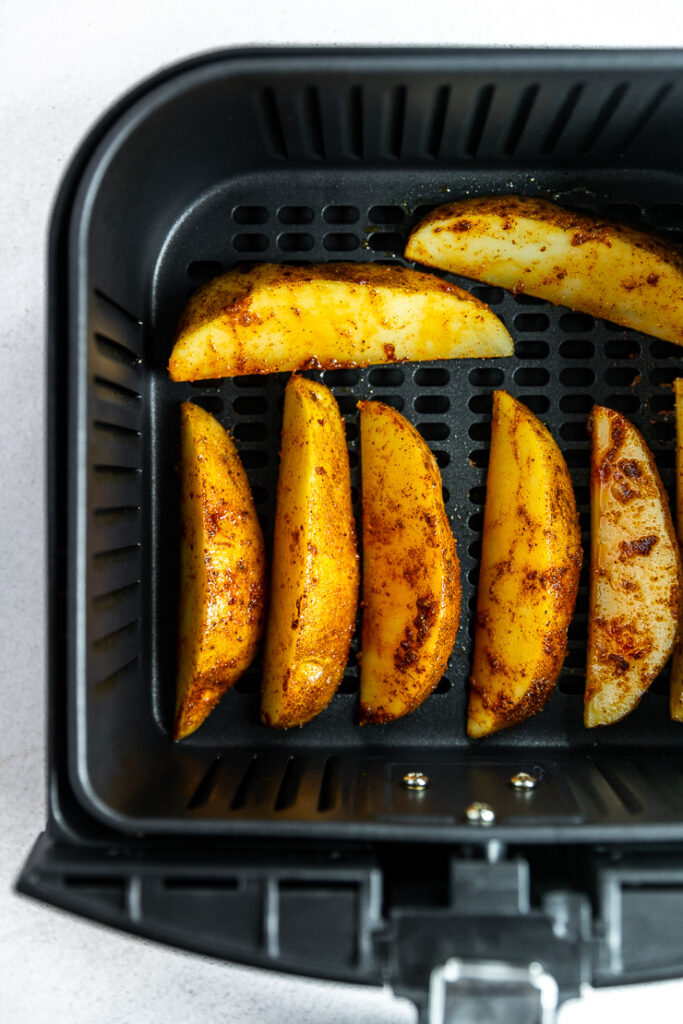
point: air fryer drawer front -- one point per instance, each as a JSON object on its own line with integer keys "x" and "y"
{"x": 219, "y": 843}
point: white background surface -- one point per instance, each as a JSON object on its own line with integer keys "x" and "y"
{"x": 60, "y": 65}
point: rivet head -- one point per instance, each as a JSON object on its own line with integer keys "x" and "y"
{"x": 523, "y": 781}
{"x": 480, "y": 814}
{"x": 415, "y": 780}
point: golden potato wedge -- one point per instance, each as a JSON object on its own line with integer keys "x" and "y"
{"x": 676, "y": 692}
{"x": 315, "y": 572}
{"x": 273, "y": 318}
{"x": 529, "y": 573}
{"x": 635, "y": 583}
{"x": 533, "y": 246}
{"x": 411, "y": 572}
{"x": 222, "y": 569}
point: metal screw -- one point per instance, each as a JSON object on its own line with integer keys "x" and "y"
{"x": 415, "y": 780}
{"x": 523, "y": 781}
{"x": 480, "y": 814}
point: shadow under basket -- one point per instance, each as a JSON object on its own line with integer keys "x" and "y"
{"x": 308, "y": 156}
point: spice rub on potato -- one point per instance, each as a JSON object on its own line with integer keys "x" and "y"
{"x": 274, "y": 318}
{"x": 635, "y": 581}
{"x": 529, "y": 573}
{"x": 411, "y": 572}
{"x": 530, "y": 245}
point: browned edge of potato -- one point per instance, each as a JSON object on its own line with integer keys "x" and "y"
{"x": 676, "y": 690}
{"x": 222, "y": 569}
{"x": 635, "y": 575}
{"x": 315, "y": 573}
{"x": 274, "y": 317}
{"x": 411, "y": 571}
{"x": 529, "y": 571}
{"x": 530, "y": 245}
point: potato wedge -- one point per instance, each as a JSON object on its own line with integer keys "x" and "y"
{"x": 411, "y": 572}
{"x": 529, "y": 572}
{"x": 635, "y": 582}
{"x": 532, "y": 246}
{"x": 676, "y": 692}
{"x": 273, "y": 318}
{"x": 222, "y": 569}
{"x": 315, "y": 573}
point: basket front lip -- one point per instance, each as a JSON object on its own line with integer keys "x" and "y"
{"x": 65, "y": 723}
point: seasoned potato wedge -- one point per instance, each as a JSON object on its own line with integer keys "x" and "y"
{"x": 222, "y": 569}
{"x": 635, "y": 585}
{"x": 676, "y": 696}
{"x": 529, "y": 572}
{"x": 411, "y": 573}
{"x": 315, "y": 561}
{"x": 532, "y": 246}
{"x": 273, "y": 318}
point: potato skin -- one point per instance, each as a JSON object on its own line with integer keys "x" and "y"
{"x": 222, "y": 570}
{"x": 529, "y": 572}
{"x": 411, "y": 572}
{"x": 531, "y": 245}
{"x": 315, "y": 572}
{"x": 274, "y": 318}
{"x": 676, "y": 691}
{"x": 635, "y": 583}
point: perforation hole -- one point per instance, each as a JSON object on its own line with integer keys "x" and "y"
{"x": 537, "y": 403}
{"x": 576, "y": 403}
{"x": 353, "y": 462}
{"x": 577, "y": 458}
{"x": 250, "y": 243}
{"x": 486, "y": 377}
{"x": 531, "y": 377}
{"x": 474, "y": 549}
{"x": 431, "y": 377}
{"x": 250, "y": 215}
{"x": 527, "y": 300}
{"x": 479, "y": 458}
{"x": 666, "y": 457}
{"x": 621, "y": 376}
{"x": 295, "y": 241}
{"x": 626, "y": 213}
{"x": 341, "y": 214}
{"x": 663, "y": 401}
{"x": 481, "y": 403}
{"x": 434, "y": 431}
{"x": 250, "y": 405}
{"x": 259, "y": 494}
{"x": 477, "y": 495}
{"x": 341, "y": 242}
{"x": 582, "y": 495}
{"x": 489, "y": 294}
{"x": 667, "y": 215}
{"x": 443, "y": 459}
{"x": 432, "y": 403}
{"x": 577, "y": 377}
{"x": 622, "y": 348}
{"x": 295, "y": 215}
{"x": 531, "y": 349}
{"x": 576, "y": 323}
{"x": 527, "y": 323}
{"x": 480, "y": 431}
{"x": 204, "y": 270}
{"x": 625, "y": 402}
{"x": 212, "y": 403}
{"x": 386, "y": 214}
{"x": 664, "y": 430}
{"x": 573, "y": 431}
{"x": 476, "y": 523}
{"x": 249, "y": 380}
{"x": 350, "y": 683}
{"x": 395, "y": 401}
{"x": 443, "y": 686}
{"x": 346, "y": 403}
{"x": 664, "y": 374}
{"x": 254, "y": 459}
{"x": 660, "y": 349}
{"x": 253, "y": 431}
{"x": 351, "y": 430}
{"x": 341, "y": 378}
{"x": 446, "y": 495}
{"x": 577, "y": 348}
{"x": 385, "y": 241}
{"x": 386, "y": 377}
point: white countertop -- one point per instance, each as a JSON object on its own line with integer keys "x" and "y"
{"x": 61, "y": 64}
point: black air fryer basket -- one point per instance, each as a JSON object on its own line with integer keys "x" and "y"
{"x": 304, "y": 851}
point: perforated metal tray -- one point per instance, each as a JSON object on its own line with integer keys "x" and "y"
{"x": 327, "y": 156}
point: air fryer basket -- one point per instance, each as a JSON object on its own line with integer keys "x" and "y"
{"x": 312, "y": 156}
